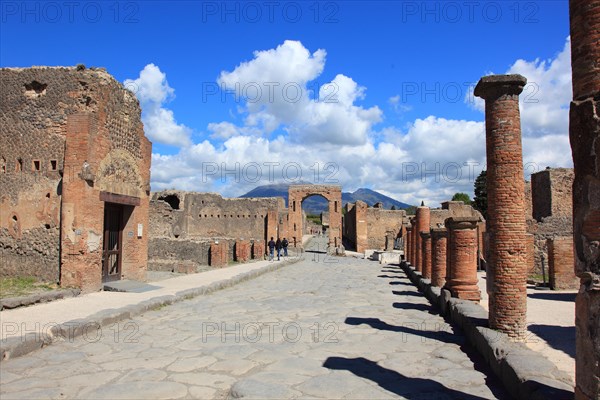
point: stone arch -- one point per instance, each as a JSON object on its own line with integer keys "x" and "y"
{"x": 332, "y": 193}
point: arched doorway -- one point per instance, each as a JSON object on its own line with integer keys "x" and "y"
{"x": 333, "y": 194}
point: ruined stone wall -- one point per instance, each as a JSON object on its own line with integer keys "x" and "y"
{"x": 165, "y": 254}
{"x": 54, "y": 120}
{"x": 382, "y": 223}
{"x": 551, "y": 191}
{"x": 186, "y": 222}
{"x": 549, "y": 213}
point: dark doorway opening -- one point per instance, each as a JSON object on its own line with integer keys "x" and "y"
{"x": 112, "y": 252}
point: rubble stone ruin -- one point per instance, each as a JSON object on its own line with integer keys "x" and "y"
{"x": 74, "y": 177}
{"x": 585, "y": 145}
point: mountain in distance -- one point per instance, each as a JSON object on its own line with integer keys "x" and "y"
{"x": 316, "y": 204}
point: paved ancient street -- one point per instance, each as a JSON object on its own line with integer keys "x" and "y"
{"x": 325, "y": 327}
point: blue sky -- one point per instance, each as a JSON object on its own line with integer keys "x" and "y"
{"x": 394, "y": 77}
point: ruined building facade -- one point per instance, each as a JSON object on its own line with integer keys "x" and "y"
{"x": 184, "y": 225}
{"x": 372, "y": 228}
{"x": 549, "y": 219}
{"x": 74, "y": 177}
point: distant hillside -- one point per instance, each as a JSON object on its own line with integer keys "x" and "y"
{"x": 317, "y": 204}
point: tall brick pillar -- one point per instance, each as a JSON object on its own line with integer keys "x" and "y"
{"x": 408, "y": 244}
{"x": 413, "y": 242}
{"x": 507, "y": 269}
{"x": 439, "y": 241}
{"x": 462, "y": 258}
{"x": 426, "y": 254}
{"x": 422, "y": 221}
{"x": 585, "y": 145}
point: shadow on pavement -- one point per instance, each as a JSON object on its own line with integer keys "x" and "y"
{"x": 390, "y": 276}
{"x": 409, "y": 329}
{"x": 392, "y": 381}
{"x": 315, "y": 251}
{"x": 558, "y": 296}
{"x": 410, "y": 306}
{"x": 406, "y": 293}
{"x": 558, "y": 337}
{"x": 401, "y": 283}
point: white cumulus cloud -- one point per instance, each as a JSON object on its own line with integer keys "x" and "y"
{"x": 153, "y": 91}
{"x": 327, "y": 137}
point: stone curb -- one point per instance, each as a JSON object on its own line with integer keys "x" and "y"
{"x": 526, "y": 374}
{"x": 89, "y": 326}
{"x": 44, "y": 297}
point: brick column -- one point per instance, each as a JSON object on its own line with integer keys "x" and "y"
{"x": 507, "y": 270}
{"x": 242, "y": 250}
{"x": 426, "y": 254}
{"x": 258, "y": 250}
{"x": 408, "y": 244}
{"x": 560, "y": 264}
{"x": 219, "y": 253}
{"x": 413, "y": 242}
{"x": 585, "y": 145}
{"x": 439, "y": 241}
{"x": 422, "y": 224}
{"x": 462, "y": 258}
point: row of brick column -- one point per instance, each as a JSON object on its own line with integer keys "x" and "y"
{"x": 448, "y": 256}
{"x": 506, "y": 228}
{"x": 245, "y": 250}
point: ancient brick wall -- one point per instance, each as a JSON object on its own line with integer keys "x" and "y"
{"x": 584, "y": 133}
{"x": 551, "y": 193}
{"x": 164, "y": 254}
{"x": 382, "y": 223}
{"x": 189, "y": 218}
{"x": 549, "y": 211}
{"x": 56, "y": 122}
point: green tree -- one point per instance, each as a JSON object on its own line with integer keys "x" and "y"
{"x": 462, "y": 197}
{"x": 393, "y": 208}
{"x": 412, "y": 210}
{"x": 480, "y": 199}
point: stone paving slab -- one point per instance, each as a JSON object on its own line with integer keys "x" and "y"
{"x": 332, "y": 327}
{"x": 23, "y": 330}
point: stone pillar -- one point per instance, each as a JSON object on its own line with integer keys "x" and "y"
{"x": 413, "y": 241}
{"x": 422, "y": 221}
{"x": 408, "y": 244}
{"x": 584, "y": 134}
{"x": 219, "y": 250}
{"x": 426, "y": 254}
{"x": 462, "y": 258}
{"x": 507, "y": 269}
{"x": 242, "y": 250}
{"x": 439, "y": 241}
{"x": 560, "y": 264}
{"x": 258, "y": 250}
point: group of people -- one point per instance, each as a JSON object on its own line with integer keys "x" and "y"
{"x": 278, "y": 245}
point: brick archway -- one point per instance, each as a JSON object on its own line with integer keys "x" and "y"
{"x": 333, "y": 194}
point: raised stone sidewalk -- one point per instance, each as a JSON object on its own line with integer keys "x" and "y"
{"x": 26, "y": 329}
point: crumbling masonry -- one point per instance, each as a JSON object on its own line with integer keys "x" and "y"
{"x": 585, "y": 145}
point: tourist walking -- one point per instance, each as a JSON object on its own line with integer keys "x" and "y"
{"x": 278, "y": 247}
{"x": 271, "y": 245}
{"x": 285, "y": 244}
